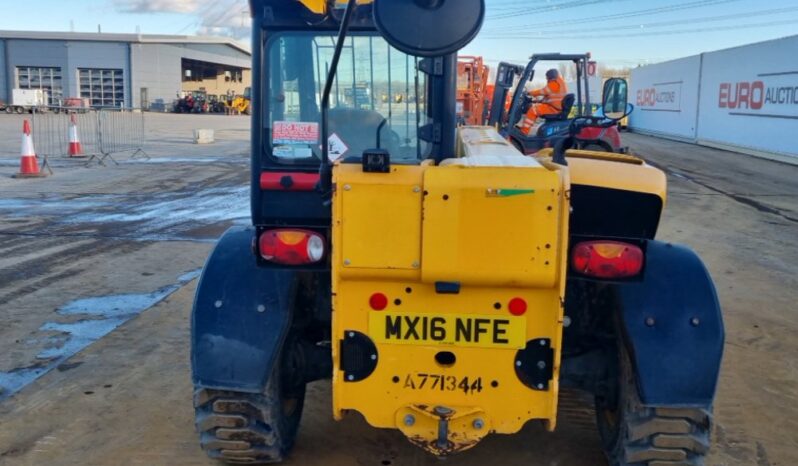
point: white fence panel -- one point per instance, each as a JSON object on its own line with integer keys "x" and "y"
{"x": 665, "y": 97}
{"x": 749, "y": 98}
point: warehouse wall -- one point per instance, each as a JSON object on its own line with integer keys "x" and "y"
{"x": 48, "y": 53}
{"x": 67, "y": 55}
{"x": 220, "y": 86}
{"x": 104, "y": 55}
{"x": 157, "y": 67}
{"x": 4, "y": 87}
{"x": 665, "y": 97}
{"x": 743, "y": 99}
{"x": 749, "y": 97}
{"x": 154, "y": 66}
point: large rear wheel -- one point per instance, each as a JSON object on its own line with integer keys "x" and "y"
{"x": 249, "y": 428}
{"x": 636, "y": 435}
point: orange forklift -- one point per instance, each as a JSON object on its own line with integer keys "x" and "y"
{"x": 472, "y": 90}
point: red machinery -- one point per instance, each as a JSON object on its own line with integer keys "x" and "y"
{"x": 472, "y": 95}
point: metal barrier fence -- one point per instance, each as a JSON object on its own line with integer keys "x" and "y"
{"x": 121, "y": 130}
{"x": 101, "y": 132}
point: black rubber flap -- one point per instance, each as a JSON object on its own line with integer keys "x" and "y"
{"x": 428, "y": 28}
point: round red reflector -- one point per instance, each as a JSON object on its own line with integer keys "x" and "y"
{"x": 517, "y": 306}
{"x": 378, "y": 301}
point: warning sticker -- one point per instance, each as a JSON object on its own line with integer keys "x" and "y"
{"x": 292, "y": 152}
{"x": 337, "y": 147}
{"x": 295, "y": 132}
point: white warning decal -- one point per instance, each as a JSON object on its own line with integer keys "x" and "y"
{"x": 337, "y": 147}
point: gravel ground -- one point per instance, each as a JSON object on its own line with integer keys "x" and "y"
{"x": 119, "y": 247}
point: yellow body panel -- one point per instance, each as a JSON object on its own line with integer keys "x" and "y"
{"x": 495, "y": 245}
{"x": 382, "y": 229}
{"x": 491, "y": 226}
{"x": 603, "y": 169}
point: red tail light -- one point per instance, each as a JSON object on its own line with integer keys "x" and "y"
{"x": 291, "y": 246}
{"x": 517, "y": 306}
{"x": 378, "y": 301}
{"x": 607, "y": 259}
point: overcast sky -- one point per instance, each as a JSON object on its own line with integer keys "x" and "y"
{"x": 617, "y": 32}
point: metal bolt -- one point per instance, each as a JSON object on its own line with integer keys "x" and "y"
{"x": 415, "y": 264}
{"x": 478, "y": 423}
{"x": 351, "y": 334}
{"x": 566, "y": 321}
{"x": 650, "y": 321}
{"x": 261, "y": 308}
{"x": 442, "y": 411}
{"x": 540, "y": 386}
{"x": 373, "y": 357}
{"x": 542, "y": 342}
{"x": 409, "y": 420}
{"x": 350, "y": 377}
{"x": 416, "y": 189}
{"x": 541, "y": 364}
{"x": 518, "y": 363}
{"x": 218, "y": 303}
{"x": 347, "y": 187}
{"x": 347, "y": 262}
{"x": 695, "y": 321}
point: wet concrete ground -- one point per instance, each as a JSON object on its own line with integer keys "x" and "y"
{"x": 96, "y": 282}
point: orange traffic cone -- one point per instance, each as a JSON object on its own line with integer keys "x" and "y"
{"x": 28, "y": 165}
{"x": 75, "y": 149}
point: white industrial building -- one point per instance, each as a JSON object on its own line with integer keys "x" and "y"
{"x": 120, "y": 70}
{"x": 743, "y": 99}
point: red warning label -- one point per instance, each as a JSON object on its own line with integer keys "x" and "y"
{"x": 295, "y": 132}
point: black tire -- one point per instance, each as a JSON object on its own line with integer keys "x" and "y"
{"x": 9, "y": 110}
{"x": 248, "y": 428}
{"x": 19, "y": 110}
{"x": 636, "y": 435}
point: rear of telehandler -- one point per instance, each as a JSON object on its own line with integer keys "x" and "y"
{"x": 449, "y": 285}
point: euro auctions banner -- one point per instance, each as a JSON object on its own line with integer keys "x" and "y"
{"x": 665, "y": 97}
{"x": 660, "y": 97}
{"x": 749, "y": 97}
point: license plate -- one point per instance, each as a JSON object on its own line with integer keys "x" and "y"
{"x": 507, "y": 332}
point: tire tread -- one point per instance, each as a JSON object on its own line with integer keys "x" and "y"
{"x": 235, "y": 427}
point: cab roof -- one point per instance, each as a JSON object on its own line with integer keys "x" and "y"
{"x": 308, "y": 14}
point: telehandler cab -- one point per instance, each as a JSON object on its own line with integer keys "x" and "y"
{"x": 552, "y": 127}
{"x": 449, "y": 285}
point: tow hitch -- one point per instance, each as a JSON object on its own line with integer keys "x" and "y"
{"x": 442, "y": 430}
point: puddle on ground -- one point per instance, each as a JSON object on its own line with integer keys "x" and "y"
{"x": 100, "y": 315}
{"x": 159, "y": 212}
{"x": 145, "y": 217}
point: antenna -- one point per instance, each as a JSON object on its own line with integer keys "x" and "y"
{"x": 99, "y": 29}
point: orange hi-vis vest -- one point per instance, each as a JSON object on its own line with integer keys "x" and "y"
{"x": 553, "y": 92}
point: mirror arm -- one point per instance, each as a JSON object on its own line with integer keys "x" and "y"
{"x": 379, "y": 132}
{"x": 325, "y": 171}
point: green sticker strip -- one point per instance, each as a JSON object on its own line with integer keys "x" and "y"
{"x": 514, "y": 192}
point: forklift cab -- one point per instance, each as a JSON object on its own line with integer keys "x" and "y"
{"x": 553, "y": 127}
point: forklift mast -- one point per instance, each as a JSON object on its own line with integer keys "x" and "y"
{"x": 505, "y": 77}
